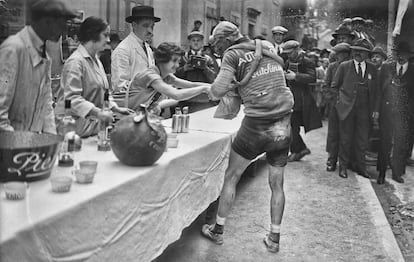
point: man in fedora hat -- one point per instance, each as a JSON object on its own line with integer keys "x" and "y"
{"x": 343, "y": 34}
{"x": 278, "y": 35}
{"x": 25, "y": 85}
{"x": 378, "y": 56}
{"x": 356, "y": 81}
{"x": 397, "y": 112}
{"x": 133, "y": 54}
{"x": 196, "y": 66}
{"x": 342, "y": 52}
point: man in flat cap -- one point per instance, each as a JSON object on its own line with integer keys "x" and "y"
{"x": 396, "y": 113}
{"x": 358, "y": 100}
{"x": 347, "y": 22}
{"x": 25, "y": 87}
{"x": 196, "y": 66}
{"x": 278, "y": 33}
{"x": 300, "y": 73}
{"x": 342, "y": 53}
{"x": 133, "y": 54}
{"x": 261, "y": 85}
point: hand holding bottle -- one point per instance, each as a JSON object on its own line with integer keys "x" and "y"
{"x": 105, "y": 116}
{"x": 122, "y": 110}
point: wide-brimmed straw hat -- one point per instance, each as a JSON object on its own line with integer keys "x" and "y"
{"x": 362, "y": 45}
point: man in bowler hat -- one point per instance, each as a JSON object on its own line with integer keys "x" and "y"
{"x": 396, "y": 112}
{"x": 133, "y": 54}
{"x": 25, "y": 69}
{"x": 356, "y": 80}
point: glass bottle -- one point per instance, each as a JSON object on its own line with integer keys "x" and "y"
{"x": 186, "y": 120}
{"x": 177, "y": 121}
{"x": 105, "y": 127}
{"x": 68, "y": 123}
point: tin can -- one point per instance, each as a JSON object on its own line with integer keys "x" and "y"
{"x": 185, "y": 120}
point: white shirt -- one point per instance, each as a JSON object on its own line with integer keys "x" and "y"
{"x": 363, "y": 66}
{"x": 279, "y": 48}
{"x": 404, "y": 68}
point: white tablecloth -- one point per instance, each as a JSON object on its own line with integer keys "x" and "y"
{"x": 128, "y": 213}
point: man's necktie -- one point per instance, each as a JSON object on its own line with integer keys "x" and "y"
{"x": 145, "y": 48}
{"x": 400, "y": 72}
{"x": 360, "y": 71}
{"x": 43, "y": 49}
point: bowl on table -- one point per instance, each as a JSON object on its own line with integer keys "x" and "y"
{"x": 27, "y": 156}
{"x": 15, "y": 190}
{"x": 61, "y": 184}
{"x": 86, "y": 172}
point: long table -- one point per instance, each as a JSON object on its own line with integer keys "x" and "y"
{"x": 128, "y": 213}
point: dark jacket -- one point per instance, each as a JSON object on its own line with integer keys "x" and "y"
{"x": 332, "y": 94}
{"x": 206, "y": 75}
{"x": 387, "y": 99}
{"x": 106, "y": 60}
{"x": 304, "y": 101}
{"x": 346, "y": 80}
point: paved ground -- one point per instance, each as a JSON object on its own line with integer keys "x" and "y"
{"x": 327, "y": 218}
{"x": 398, "y": 204}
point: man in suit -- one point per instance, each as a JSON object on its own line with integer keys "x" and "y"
{"x": 356, "y": 80}
{"x": 278, "y": 35}
{"x": 378, "y": 56}
{"x": 300, "y": 72}
{"x": 342, "y": 53}
{"x": 396, "y": 112}
{"x": 134, "y": 54}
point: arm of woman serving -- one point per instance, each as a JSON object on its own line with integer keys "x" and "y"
{"x": 190, "y": 89}
{"x": 181, "y": 83}
{"x": 72, "y": 82}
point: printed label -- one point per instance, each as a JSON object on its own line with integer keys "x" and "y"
{"x": 31, "y": 161}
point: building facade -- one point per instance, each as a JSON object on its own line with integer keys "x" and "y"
{"x": 254, "y": 17}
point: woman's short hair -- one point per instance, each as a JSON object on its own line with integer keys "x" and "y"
{"x": 164, "y": 52}
{"x": 91, "y": 29}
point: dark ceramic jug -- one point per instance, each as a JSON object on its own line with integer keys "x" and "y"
{"x": 139, "y": 139}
